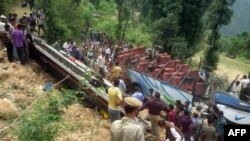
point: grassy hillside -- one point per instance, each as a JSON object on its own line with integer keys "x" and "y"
{"x": 227, "y": 67}
{"x": 232, "y": 67}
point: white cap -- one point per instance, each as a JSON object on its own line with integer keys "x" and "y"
{"x": 2, "y": 17}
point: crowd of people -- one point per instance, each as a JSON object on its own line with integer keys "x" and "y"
{"x": 16, "y": 32}
{"x": 179, "y": 121}
{"x": 17, "y": 40}
{"x": 96, "y": 50}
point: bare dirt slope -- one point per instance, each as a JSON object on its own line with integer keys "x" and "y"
{"x": 22, "y": 85}
{"x": 83, "y": 124}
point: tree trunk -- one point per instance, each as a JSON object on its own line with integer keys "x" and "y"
{"x": 124, "y": 29}
{"x": 2, "y": 6}
{"x": 120, "y": 19}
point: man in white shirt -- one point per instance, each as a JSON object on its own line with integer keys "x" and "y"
{"x": 107, "y": 53}
{"x": 234, "y": 89}
{"x": 3, "y": 21}
{"x": 172, "y": 132}
{"x": 67, "y": 46}
{"x": 101, "y": 64}
{"x": 244, "y": 81}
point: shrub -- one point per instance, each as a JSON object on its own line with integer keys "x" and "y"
{"x": 42, "y": 122}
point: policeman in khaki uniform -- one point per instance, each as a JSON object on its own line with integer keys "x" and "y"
{"x": 129, "y": 127}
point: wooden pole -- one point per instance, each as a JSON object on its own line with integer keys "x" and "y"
{"x": 212, "y": 91}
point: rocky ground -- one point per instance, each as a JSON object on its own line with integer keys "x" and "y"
{"x": 21, "y": 85}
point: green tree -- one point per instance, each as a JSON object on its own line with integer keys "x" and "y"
{"x": 126, "y": 13}
{"x": 66, "y": 22}
{"x": 145, "y": 9}
{"x": 55, "y": 29}
{"x": 179, "y": 48}
{"x": 165, "y": 15}
{"x": 123, "y": 16}
{"x": 2, "y": 6}
{"x": 96, "y": 3}
{"x": 191, "y": 26}
{"x": 241, "y": 45}
{"x": 119, "y": 19}
{"x": 5, "y": 5}
{"x": 178, "y": 19}
{"x": 219, "y": 14}
{"x": 76, "y": 2}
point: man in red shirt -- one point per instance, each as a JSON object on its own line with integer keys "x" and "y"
{"x": 154, "y": 106}
{"x": 186, "y": 121}
{"x": 171, "y": 114}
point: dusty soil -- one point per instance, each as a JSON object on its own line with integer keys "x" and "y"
{"x": 83, "y": 124}
{"x": 23, "y": 84}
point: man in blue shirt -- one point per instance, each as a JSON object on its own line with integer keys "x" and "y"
{"x": 122, "y": 86}
{"x": 137, "y": 94}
